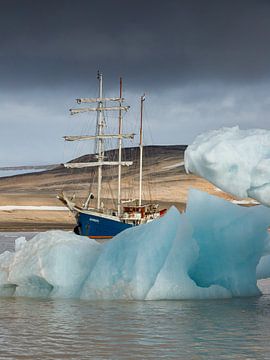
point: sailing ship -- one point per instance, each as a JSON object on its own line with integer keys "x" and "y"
{"x": 98, "y": 222}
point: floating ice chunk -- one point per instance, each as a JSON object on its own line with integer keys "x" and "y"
{"x": 237, "y": 161}
{"x": 211, "y": 251}
{"x": 54, "y": 263}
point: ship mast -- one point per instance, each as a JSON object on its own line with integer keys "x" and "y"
{"x": 119, "y": 152}
{"x": 100, "y": 148}
{"x": 141, "y": 150}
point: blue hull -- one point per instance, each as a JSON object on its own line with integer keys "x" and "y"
{"x": 97, "y": 227}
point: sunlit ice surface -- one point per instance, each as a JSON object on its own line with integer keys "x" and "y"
{"x": 210, "y": 251}
{"x": 236, "y": 161}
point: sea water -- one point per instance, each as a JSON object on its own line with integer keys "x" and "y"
{"x": 5, "y": 173}
{"x": 78, "y": 329}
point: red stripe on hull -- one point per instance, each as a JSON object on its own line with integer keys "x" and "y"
{"x": 100, "y": 237}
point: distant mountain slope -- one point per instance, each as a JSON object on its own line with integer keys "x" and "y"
{"x": 163, "y": 173}
{"x": 132, "y": 153}
{"x": 165, "y": 181}
{"x": 155, "y": 158}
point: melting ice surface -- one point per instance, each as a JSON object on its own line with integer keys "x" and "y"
{"x": 211, "y": 251}
{"x": 237, "y": 161}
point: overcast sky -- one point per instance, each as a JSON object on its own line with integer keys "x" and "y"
{"x": 202, "y": 64}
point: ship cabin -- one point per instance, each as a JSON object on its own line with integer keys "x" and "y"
{"x": 139, "y": 214}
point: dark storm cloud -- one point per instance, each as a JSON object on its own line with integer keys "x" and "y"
{"x": 59, "y": 43}
{"x": 203, "y": 64}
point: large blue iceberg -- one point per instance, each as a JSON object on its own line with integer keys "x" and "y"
{"x": 210, "y": 251}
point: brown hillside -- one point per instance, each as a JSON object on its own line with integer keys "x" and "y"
{"x": 165, "y": 181}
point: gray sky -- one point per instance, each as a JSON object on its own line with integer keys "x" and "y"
{"x": 203, "y": 65}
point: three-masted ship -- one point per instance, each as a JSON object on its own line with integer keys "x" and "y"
{"x": 97, "y": 222}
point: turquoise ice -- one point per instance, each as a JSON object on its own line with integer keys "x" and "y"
{"x": 210, "y": 251}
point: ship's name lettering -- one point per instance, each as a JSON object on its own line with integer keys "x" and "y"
{"x": 95, "y": 220}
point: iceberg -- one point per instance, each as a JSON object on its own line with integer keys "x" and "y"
{"x": 55, "y": 263}
{"x": 236, "y": 161}
{"x": 210, "y": 251}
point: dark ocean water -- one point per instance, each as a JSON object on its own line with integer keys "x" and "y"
{"x": 191, "y": 330}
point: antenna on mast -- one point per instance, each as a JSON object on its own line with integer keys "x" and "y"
{"x": 141, "y": 150}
